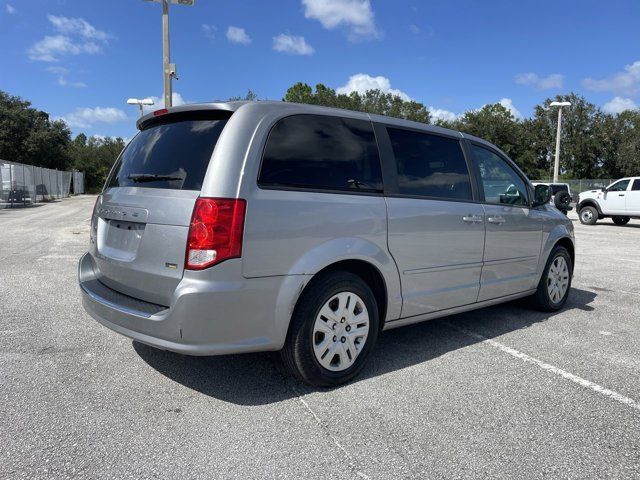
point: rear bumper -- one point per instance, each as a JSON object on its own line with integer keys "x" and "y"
{"x": 212, "y": 312}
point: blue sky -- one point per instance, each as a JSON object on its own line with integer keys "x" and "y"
{"x": 80, "y": 60}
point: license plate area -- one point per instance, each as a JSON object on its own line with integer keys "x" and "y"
{"x": 118, "y": 239}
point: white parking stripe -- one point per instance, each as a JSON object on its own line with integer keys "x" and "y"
{"x": 618, "y": 397}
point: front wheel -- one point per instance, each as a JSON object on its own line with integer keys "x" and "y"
{"x": 554, "y": 286}
{"x": 333, "y": 329}
{"x": 620, "y": 220}
{"x": 588, "y": 216}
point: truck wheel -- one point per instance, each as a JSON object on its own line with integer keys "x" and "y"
{"x": 620, "y": 220}
{"x": 554, "y": 286}
{"x": 588, "y": 216}
{"x": 333, "y": 330}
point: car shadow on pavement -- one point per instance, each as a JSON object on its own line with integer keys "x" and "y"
{"x": 259, "y": 379}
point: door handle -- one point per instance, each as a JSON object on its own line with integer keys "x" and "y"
{"x": 472, "y": 219}
{"x": 497, "y": 220}
{"x": 621, "y": 194}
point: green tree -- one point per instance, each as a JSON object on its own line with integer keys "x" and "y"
{"x": 627, "y": 147}
{"x": 372, "y": 101}
{"x": 27, "y": 135}
{"x": 582, "y": 152}
{"x": 95, "y": 156}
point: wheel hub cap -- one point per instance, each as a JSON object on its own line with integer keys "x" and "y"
{"x": 340, "y": 331}
{"x": 558, "y": 279}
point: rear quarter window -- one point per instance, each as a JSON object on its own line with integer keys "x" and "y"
{"x": 170, "y": 155}
{"x": 321, "y": 152}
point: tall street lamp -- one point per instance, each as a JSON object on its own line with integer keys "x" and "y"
{"x": 140, "y": 102}
{"x": 556, "y": 166}
{"x": 168, "y": 69}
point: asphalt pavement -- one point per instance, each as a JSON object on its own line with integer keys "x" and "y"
{"x": 503, "y": 392}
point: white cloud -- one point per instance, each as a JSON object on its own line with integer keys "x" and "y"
{"x": 158, "y": 102}
{"x": 86, "y": 117}
{"x": 414, "y": 28}
{"x": 63, "y": 82}
{"x": 209, "y": 31}
{"x": 62, "y": 73}
{"x": 441, "y": 114}
{"x": 356, "y": 15}
{"x": 238, "y": 35}
{"x": 555, "y": 80}
{"x": 292, "y": 44}
{"x": 361, "y": 82}
{"x": 77, "y": 26}
{"x": 621, "y": 83}
{"x": 508, "y": 104}
{"x": 619, "y": 105}
{"x": 10, "y": 9}
{"x": 75, "y": 36}
{"x": 51, "y": 48}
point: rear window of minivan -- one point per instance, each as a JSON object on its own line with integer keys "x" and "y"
{"x": 171, "y": 153}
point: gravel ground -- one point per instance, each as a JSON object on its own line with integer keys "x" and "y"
{"x": 499, "y": 392}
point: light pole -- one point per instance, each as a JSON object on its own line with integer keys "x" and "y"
{"x": 556, "y": 166}
{"x": 168, "y": 69}
{"x": 140, "y": 102}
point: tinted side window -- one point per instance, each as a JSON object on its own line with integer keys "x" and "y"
{"x": 636, "y": 185}
{"x": 620, "y": 186}
{"x": 430, "y": 165}
{"x": 555, "y": 188}
{"x": 500, "y": 182}
{"x": 322, "y": 152}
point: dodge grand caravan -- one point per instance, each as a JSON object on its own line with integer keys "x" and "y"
{"x": 242, "y": 227}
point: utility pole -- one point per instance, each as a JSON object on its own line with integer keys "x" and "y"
{"x": 168, "y": 68}
{"x": 556, "y": 166}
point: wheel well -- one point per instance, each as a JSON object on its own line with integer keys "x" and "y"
{"x": 568, "y": 244}
{"x": 371, "y": 276}
{"x": 589, "y": 203}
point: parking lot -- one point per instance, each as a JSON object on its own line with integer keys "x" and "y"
{"x": 500, "y": 392}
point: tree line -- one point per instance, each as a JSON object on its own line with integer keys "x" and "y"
{"x": 594, "y": 144}
{"x": 30, "y": 136}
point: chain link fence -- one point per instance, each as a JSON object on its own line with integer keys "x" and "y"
{"x": 22, "y": 185}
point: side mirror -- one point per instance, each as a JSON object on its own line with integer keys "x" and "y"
{"x": 541, "y": 195}
{"x": 604, "y": 189}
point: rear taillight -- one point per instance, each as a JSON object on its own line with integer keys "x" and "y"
{"x": 215, "y": 232}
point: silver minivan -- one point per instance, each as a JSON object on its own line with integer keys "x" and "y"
{"x": 255, "y": 226}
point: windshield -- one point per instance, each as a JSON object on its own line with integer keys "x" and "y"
{"x": 171, "y": 155}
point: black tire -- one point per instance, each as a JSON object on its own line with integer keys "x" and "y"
{"x": 298, "y": 353}
{"x": 588, "y": 215}
{"x": 562, "y": 200}
{"x": 620, "y": 220}
{"x": 542, "y": 299}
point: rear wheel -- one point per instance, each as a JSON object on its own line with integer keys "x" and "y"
{"x": 620, "y": 220}
{"x": 588, "y": 216}
{"x": 554, "y": 286}
{"x": 333, "y": 330}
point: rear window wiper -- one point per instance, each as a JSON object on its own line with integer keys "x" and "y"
{"x": 151, "y": 177}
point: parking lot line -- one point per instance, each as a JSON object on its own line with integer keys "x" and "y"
{"x": 618, "y": 397}
{"x": 326, "y": 431}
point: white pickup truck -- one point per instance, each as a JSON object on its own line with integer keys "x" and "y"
{"x": 620, "y": 201}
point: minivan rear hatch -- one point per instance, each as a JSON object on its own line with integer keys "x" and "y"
{"x": 141, "y": 221}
